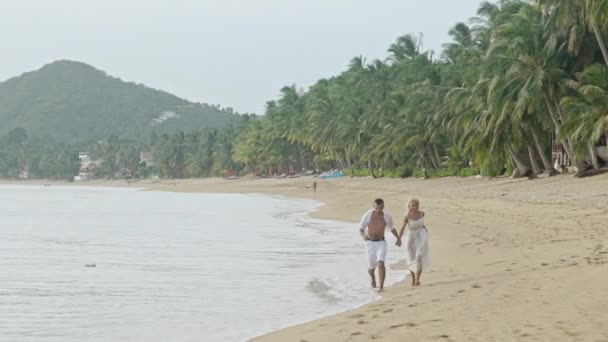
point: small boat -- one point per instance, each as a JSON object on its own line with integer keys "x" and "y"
{"x": 332, "y": 174}
{"x": 90, "y": 265}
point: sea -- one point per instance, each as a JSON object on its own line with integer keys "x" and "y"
{"x": 121, "y": 264}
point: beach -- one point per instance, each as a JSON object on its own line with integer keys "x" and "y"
{"x": 512, "y": 259}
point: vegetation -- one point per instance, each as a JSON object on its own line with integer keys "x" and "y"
{"x": 521, "y": 75}
{"x": 72, "y": 102}
{"x": 517, "y": 78}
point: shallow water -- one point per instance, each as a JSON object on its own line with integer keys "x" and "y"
{"x": 169, "y": 266}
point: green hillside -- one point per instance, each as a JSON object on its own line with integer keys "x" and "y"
{"x": 73, "y": 102}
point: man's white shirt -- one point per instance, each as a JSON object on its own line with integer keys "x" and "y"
{"x": 368, "y": 216}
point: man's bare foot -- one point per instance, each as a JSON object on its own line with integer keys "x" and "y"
{"x": 373, "y": 283}
{"x": 381, "y": 289}
{"x": 417, "y": 283}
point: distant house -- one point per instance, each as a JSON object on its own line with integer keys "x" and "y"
{"x": 561, "y": 159}
{"x": 87, "y": 165}
{"x": 24, "y": 173}
{"x": 84, "y": 157}
{"x": 559, "y": 156}
{"x": 147, "y": 158}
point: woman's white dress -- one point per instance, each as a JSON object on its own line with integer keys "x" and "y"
{"x": 417, "y": 245}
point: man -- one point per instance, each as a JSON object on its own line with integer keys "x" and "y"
{"x": 373, "y": 224}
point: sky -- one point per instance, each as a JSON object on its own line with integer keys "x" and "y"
{"x": 235, "y": 53}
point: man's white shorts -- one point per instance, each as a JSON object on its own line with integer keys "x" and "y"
{"x": 376, "y": 251}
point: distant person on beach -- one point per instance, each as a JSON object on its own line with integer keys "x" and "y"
{"x": 373, "y": 224}
{"x": 416, "y": 241}
{"x": 314, "y": 186}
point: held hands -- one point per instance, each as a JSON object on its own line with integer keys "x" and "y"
{"x": 398, "y": 242}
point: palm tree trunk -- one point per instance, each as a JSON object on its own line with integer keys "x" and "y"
{"x": 535, "y": 166}
{"x": 541, "y": 151}
{"x": 436, "y": 154}
{"x": 349, "y": 163}
{"x": 341, "y": 163}
{"x": 558, "y": 125}
{"x": 422, "y": 159}
{"x": 435, "y": 162}
{"x": 522, "y": 168}
{"x": 566, "y": 142}
{"x": 593, "y": 155}
{"x": 600, "y": 40}
{"x": 371, "y": 169}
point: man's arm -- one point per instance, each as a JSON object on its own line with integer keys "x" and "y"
{"x": 362, "y": 232}
{"x": 390, "y": 224}
{"x": 364, "y": 223}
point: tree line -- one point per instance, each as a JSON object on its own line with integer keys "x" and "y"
{"x": 518, "y": 81}
{"x": 519, "y": 77}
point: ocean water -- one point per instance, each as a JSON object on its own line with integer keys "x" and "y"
{"x": 169, "y": 266}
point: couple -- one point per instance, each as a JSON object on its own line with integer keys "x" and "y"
{"x": 373, "y": 224}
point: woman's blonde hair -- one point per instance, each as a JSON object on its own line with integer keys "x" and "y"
{"x": 412, "y": 201}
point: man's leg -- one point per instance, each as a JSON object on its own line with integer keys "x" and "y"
{"x": 373, "y": 275}
{"x": 371, "y": 262}
{"x": 382, "y": 246}
{"x": 381, "y": 274}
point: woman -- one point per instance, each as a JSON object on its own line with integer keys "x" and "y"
{"x": 416, "y": 241}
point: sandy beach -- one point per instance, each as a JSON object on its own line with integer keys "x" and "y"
{"x": 513, "y": 260}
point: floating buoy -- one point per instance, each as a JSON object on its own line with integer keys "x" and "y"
{"x": 90, "y": 265}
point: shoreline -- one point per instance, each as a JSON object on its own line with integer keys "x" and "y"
{"x": 508, "y": 255}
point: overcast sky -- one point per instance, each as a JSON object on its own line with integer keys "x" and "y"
{"x": 235, "y": 53}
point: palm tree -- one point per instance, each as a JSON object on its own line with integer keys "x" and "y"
{"x": 527, "y": 63}
{"x": 589, "y": 108}
{"x": 570, "y": 14}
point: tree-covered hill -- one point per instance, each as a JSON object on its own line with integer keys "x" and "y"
{"x": 72, "y": 102}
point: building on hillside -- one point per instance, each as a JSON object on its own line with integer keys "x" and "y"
{"x": 24, "y": 173}
{"x": 84, "y": 157}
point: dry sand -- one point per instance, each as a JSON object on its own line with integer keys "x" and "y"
{"x": 513, "y": 260}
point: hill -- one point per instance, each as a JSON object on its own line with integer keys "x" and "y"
{"x": 73, "y": 102}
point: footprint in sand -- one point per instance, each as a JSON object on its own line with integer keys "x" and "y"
{"x": 409, "y": 324}
{"x": 356, "y": 333}
{"x": 388, "y": 310}
{"x": 360, "y": 322}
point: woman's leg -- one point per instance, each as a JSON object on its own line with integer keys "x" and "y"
{"x": 413, "y": 275}
{"x": 418, "y": 273}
